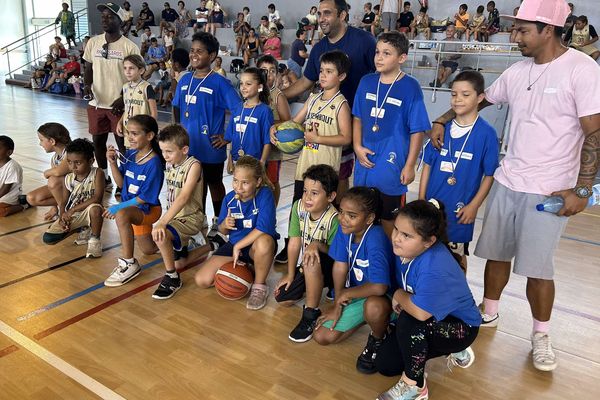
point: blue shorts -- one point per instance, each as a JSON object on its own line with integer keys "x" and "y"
{"x": 227, "y": 251}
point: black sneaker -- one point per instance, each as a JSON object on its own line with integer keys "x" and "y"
{"x": 108, "y": 185}
{"x": 118, "y": 192}
{"x": 366, "y": 361}
{"x": 303, "y": 332}
{"x": 282, "y": 256}
{"x": 217, "y": 240}
{"x": 330, "y": 295}
{"x": 167, "y": 288}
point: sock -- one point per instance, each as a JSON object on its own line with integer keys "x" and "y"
{"x": 490, "y": 307}
{"x": 539, "y": 326}
{"x": 173, "y": 274}
{"x": 129, "y": 260}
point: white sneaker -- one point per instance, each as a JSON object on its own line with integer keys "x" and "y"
{"x": 544, "y": 358}
{"x": 462, "y": 359}
{"x": 488, "y": 321}
{"x": 83, "y": 236}
{"x": 94, "y": 248}
{"x": 123, "y": 273}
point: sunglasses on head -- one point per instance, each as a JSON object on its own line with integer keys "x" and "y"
{"x": 105, "y": 50}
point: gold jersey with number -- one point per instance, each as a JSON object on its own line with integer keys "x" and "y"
{"x": 80, "y": 191}
{"x": 136, "y": 103}
{"x": 176, "y": 176}
{"x": 323, "y": 116}
{"x": 319, "y": 230}
{"x": 275, "y": 154}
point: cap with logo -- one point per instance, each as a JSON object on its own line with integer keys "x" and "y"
{"x": 114, "y": 8}
{"x": 550, "y": 12}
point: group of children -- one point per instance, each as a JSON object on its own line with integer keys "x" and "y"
{"x": 387, "y": 264}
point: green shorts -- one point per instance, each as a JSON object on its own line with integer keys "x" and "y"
{"x": 352, "y": 316}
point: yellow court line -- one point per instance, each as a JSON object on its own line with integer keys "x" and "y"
{"x": 78, "y": 376}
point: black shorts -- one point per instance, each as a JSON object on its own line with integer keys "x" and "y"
{"x": 298, "y": 286}
{"x": 389, "y": 204}
{"x": 453, "y": 65}
{"x": 227, "y": 251}
{"x": 213, "y": 173}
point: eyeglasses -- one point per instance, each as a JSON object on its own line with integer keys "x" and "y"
{"x": 105, "y": 50}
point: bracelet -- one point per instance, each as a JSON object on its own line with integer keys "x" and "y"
{"x": 438, "y": 122}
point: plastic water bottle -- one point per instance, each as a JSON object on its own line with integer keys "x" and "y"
{"x": 553, "y": 204}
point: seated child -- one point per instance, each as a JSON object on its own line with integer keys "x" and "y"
{"x": 361, "y": 276}
{"x": 184, "y": 217}
{"x": 493, "y": 22}
{"x": 437, "y": 315}
{"x": 477, "y": 25}
{"x": 469, "y": 154}
{"x": 11, "y": 179}
{"x": 461, "y": 20}
{"x": 421, "y": 25}
{"x": 313, "y": 225}
{"x": 140, "y": 174}
{"x": 163, "y": 85}
{"x": 81, "y": 202}
{"x": 54, "y": 138}
{"x": 248, "y": 217}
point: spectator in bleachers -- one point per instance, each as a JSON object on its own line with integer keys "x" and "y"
{"x": 313, "y": 23}
{"x": 216, "y": 19}
{"x": 570, "y": 19}
{"x": 264, "y": 29}
{"x": 461, "y": 20}
{"x": 41, "y": 75}
{"x": 477, "y": 26}
{"x": 298, "y": 54}
{"x": 272, "y": 45}
{"x": 368, "y": 17}
{"x": 421, "y": 25}
{"x": 145, "y": 40}
{"x": 493, "y": 21}
{"x": 201, "y": 17}
{"x": 183, "y": 20}
{"x": 241, "y": 29}
{"x": 448, "y": 62}
{"x": 582, "y": 36}
{"x": 127, "y": 19}
{"x": 389, "y": 14}
{"x": 57, "y": 49}
{"x": 169, "y": 40}
{"x": 251, "y": 47}
{"x": 157, "y": 53}
{"x": 163, "y": 85}
{"x": 218, "y": 67}
{"x": 67, "y": 24}
{"x": 180, "y": 59}
{"x": 513, "y": 27}
{"x": 62, "y": 74}
{"x": 168, "y": 18}
{"x": 274, "y": 16}
{"x": 376, "y": 25}
{"x": 405, "y": 18}
{"x": 145, "y": 19}
{"x": 247, "y": 15}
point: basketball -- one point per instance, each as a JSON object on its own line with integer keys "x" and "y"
{"x": 290, "y": 136}
{"x": 233, "y": 283}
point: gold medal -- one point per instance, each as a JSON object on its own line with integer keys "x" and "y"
{"x": 241, "y": 153}
{"x": 187, "y": 114}
{"x": 375, "y": 128}
{"x": 451, "y": 181}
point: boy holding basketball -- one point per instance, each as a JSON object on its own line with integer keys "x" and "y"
{"x": 185, "y": 216}
{"x": 313, "y": 225}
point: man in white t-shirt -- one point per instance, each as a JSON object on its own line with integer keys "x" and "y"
{"x": 554, "y": 100}
{"x": 389, "y": 14}
{"x": 104, "y": 79}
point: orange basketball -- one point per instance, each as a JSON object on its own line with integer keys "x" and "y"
{"x": 233, "y": 283}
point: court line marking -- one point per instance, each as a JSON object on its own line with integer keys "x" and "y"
{"x": 52, "y": 268}
{"x": 58, "y": 363}
{"x": 25, "y": 228}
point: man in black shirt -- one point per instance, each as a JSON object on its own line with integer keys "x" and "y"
{"x": 405, "y": 19}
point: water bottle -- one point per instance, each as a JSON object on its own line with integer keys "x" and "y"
{"x": 553, "y": 204}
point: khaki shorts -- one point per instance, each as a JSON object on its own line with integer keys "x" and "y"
{"x": 183, "y": 228}
{"x": 513, "y": 228}
{"x": 79, "y": 220}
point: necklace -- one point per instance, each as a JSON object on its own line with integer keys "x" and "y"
{"x": 241, "y": 128}
{"x": 307, "y": 239}
{"x": 319, "y": 97}
{"x": 188, "y": 98}
{"x": 378, "y": 109}
{"x": 352, "y": 261}
{"x": 452, "y": 180}
{"x": 538, "y": 78}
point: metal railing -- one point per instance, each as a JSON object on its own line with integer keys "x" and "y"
{"x": 31, "y": 43}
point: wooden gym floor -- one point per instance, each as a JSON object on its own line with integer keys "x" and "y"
{"x": 66, "y": 336}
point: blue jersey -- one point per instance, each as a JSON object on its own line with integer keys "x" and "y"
{"x": 359, "y": 45}
{"x": 202, "y": 112}
{"x": 257, "y": 213}
{"x": 479, "y": 159}
{"x": 142, "y": 180}
{"x": 402, "y": 115}
{"x": 371, "y": 263}
{"x": 253, "y": 130}
{"x": 438, "y": 285}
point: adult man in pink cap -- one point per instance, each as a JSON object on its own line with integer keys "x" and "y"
{"x": 553, "y": 147}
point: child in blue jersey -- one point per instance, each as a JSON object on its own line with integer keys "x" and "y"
{"x": 199, "y": 104}
{"x": 469, "y": 154}
{"x": 437, "y": 315}
{"x": 389, "y": 121}
{"x": 141, "y": 175}
{"x": 248, "y": 129}
{"x": 361, "y": 276}
{"x": 248, "y": 217}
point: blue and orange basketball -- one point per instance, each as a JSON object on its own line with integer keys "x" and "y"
{"x": 290, "y": 136}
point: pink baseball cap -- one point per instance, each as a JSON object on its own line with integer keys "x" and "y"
{"x": 551, "y": 12}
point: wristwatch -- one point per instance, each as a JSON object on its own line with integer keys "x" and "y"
{"x": 583, "y": 191}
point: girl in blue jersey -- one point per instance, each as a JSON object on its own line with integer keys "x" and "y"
{"x": 437, "y": 315}
{"x": 389, "y": 121}
{"x": 199, "y": 104}
{"x": 248, "y": 129}
{"x": 141, "y": 175}
{"x": 361, "y": 276}
{"x": 248, "y": 217}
